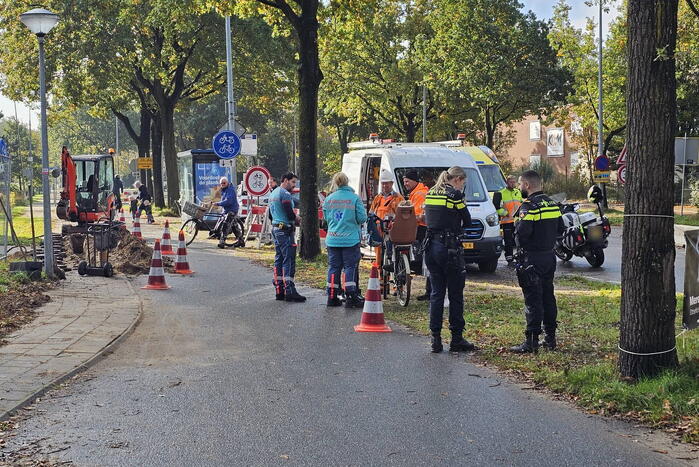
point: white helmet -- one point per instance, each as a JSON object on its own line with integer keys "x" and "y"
{"x": 385, "y": 176}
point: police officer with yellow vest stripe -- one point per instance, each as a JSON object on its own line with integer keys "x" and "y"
{"x": 538, "y": 225}
{"x": 507, "y": 201}
{"x": 446, "y": 215}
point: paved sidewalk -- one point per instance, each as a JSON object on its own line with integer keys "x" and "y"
{"x": 84, "y": 317}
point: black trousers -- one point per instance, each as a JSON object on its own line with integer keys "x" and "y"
{"x": 447, "y": 278}
{"x": 536, "y": 280}
{"x": 508, "y": 237}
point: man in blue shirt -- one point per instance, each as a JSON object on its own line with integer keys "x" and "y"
{"x": 229, "y": 203}
{"x": 281, "y": 211}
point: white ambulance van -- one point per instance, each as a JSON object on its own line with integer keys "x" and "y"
{"x": 365, "y": 160}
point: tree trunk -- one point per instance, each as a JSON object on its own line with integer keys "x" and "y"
{"x": 648, "y": 274}
{"x": 410, "y": 129}
{"x": 343, "y": 137}
{"x": 157, "y": 152}
{"x": 489, "y": 129}
{"x": 310, "y": 77}
{"x": 142, "y": 138}
{"x": 167, "y": 119}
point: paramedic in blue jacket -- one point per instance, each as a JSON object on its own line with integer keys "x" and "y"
{"x": 281, "y": 211}
{"x": 345, "y": 213}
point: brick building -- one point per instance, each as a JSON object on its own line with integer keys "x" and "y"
{"x": 534, "y": 142}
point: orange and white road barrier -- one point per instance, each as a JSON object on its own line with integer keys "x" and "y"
{"x": 372, "y": 314}
{"x": 181, "y": 263}
{"x": 166, "y": 245}
{"x": 136, "y": 232}
{"x": 121, "y": 216}
{"x": 156, "y": 276}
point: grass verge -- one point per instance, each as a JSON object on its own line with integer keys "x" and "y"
{"x": 584, "y": 366}
{"x": 689, "y": 219}
{"x": 616, "y": 217}
{"x": 22, "y": 224}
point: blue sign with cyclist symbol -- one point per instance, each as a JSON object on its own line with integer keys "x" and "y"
{"x": 226, "y": 144}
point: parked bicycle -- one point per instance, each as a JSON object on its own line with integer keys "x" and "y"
{"x": 394, "y": 264}
{"x": 228, "y": 227}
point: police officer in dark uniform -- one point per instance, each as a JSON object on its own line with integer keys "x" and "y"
{"x": 538, "y": 225}
{"x": 446, "y": 214}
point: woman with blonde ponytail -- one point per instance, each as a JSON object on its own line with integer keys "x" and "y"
{"x": 345, "y": 213}
{"x": 446, "y": 215}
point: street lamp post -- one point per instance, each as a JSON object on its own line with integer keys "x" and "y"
{"x": 40, "y": 22}
{"x": 600, "y": 123}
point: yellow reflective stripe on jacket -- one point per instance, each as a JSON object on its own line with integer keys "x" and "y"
{"x": 550, "y": 209}
{"x": 541, "y": 214}
{"x": 436, "y": 200}
{"x": 440, "y": 200}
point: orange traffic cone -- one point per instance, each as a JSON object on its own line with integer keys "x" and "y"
{"x": 167, "y": 247}
{"x": 136, "y": 232}
{"x": 156, "y": 276}
{"x": 181, "y": 263}
{"x": 372, "y": 314}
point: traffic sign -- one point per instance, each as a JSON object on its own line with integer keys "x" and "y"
{"x": 621, "y": 160}
{"x": 602, "y": 163}
{"x": 144, "y": 163}
{"x": 621, "y": 174}
{"x": 600, "y": 176}
{"x": 257, "y": 181}
{"x": 226, "y": 144}
{"x": 230, "y": 163}
{"x": 3, "y": 148}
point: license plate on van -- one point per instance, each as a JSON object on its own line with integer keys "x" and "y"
{"x": 468, "y": 245}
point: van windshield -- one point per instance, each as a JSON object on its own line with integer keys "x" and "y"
{"x": 473, "y": 189}
{"x": 494, "y": 181}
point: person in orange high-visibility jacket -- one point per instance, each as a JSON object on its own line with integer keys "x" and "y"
{"x": 417, "y": 191}
{"x": 385, "y": 203}
{"x": 507, "y": 201}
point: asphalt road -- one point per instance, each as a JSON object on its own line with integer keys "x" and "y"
{"x": 218, "y": 373}
{"x": 611, "y": 269}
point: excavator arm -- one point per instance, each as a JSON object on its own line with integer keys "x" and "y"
{"x": 67, "y": 208}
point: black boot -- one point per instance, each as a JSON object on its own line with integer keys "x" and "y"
{"x": 530, "y": 344}
{"x": 549, "y": 342}
{"x": 459, "y": 344}
{"x": 353, "y": 301}
{"x": 294, "y": 296}
{"x": 280, "y": 296}
{"x": 437, "y": 342}
{"x": 359, "y": 295}
{"x": 334, "y": 301}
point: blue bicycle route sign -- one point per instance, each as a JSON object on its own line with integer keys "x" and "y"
{"x": 226, "y": 144}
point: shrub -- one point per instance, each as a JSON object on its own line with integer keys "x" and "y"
{"x": 573, "y": 187}
{"x": 694, "y": 192}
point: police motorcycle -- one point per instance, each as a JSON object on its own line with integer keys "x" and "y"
{"x": 585, "y": 233}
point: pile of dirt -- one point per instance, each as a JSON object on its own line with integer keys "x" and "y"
{"x": 131, "y": 256}
{"x": 17, "y": 303}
